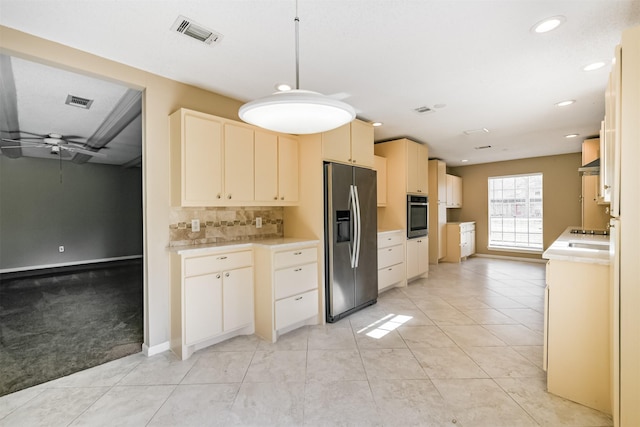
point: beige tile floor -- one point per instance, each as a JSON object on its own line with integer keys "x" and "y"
{"x": 461, "y": 348}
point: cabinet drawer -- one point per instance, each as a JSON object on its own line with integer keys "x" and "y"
{"x": 295, "y": 257}
{"x": 296, "y": 308}
{"x": 390, "y": 239}
{"x": 294, "y": 280}
{"x": 212, "y": 263}
{"x": 467, "y": 226}
{"x": 390, "y": 275}
{"x": 390, "y": 256}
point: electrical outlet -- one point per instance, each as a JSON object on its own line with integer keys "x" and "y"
{"x": 258, "y": 222}
{"x": 60, "y": 249}
{"x": 195, "y": 225}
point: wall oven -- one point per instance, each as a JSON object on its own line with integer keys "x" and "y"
{"x": 417, "y": 216}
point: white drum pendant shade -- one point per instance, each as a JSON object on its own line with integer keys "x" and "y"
{"x": 297, "y": 112}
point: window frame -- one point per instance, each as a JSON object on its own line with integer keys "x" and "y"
{"x": 528, "y": 247}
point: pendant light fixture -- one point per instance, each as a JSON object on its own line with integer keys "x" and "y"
{"x": 297, "y": 111}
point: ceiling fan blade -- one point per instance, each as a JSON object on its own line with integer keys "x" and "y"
{"x": 22, "y": 131}
{"x": 82, "y": 151}
{"x": 25, "y": 144}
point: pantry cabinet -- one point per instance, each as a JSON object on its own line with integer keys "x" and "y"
{"x": 221, "y": 162}
{"x": 351, "y": 143}
{"x": 461, "y": 241}
{"x": 437, "y": 210}
{"x": 380, "y": 165}
{"x": 211, "y": 299}
{"x": 287, "y": 295}
{"x": 454, "y": 191}
{"x": 391, "y": 256}
{"x": 417, "y": 257}
{"x": 417, "y": 168}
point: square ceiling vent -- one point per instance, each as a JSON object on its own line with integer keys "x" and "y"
{"x": 188, "y": 27}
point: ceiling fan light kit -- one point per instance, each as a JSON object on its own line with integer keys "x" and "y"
{"x": 297, "y": 111}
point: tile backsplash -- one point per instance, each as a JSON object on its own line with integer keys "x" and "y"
{"x": 224, "y": 224}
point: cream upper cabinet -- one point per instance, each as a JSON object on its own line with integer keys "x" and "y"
{"x": 288, "y": 169}
{"x": 454, "y": 191}
{"x": 380, "y": 165}
{"x": 351, "y": 143}
{"x": 266, "y": 167}
{"x": 196, "y": 159}
{"x": 221, "y": 162}
{"x": 238, "y": 163}
{"x": 417, "y": 168}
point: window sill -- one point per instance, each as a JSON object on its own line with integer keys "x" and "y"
{"x": 515, "y": 249}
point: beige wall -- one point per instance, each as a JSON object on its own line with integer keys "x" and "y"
{"x": 161, "y": 97}
{"x": 561, "y": 195}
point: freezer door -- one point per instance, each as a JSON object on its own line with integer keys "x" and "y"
{"x": 366, "y": 281}
{"x": 339, "y": 239}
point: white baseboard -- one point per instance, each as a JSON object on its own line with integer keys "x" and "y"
{"x": 155, "y": 349}
{"x": 512, "y": 258}
{"x": 69, "y": 264}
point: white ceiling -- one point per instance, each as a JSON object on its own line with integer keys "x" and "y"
{"x": 387, "y": 57}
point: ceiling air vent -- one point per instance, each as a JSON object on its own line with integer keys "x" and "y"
{"x": 424, "y": 109}
{"x": 482, "y": 147}
{"x": 188, "y": 27}
{"x": 79, "y": 102}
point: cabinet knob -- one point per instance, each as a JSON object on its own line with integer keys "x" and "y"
{"x": 218, "y": 196}
{"x": 298, "y": 299}
{"x": 354, "y": 160}
{"x": 228, "y": 196}
{"x": 298, "y": 269}
{"x": 226, "y": 274}
{"x": 297, "y": 253}
{"x": 389, "y": 250}
{"x": 222, "y": 257}
{"x": 281, "y": 197}
{"x": 217, "y": 276}
{"x": 606, "y": 187}
{"x": 275, "y": 197}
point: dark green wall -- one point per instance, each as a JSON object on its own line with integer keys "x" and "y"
{"x": 96, "y": 212}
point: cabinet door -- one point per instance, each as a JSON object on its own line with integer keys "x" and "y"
{"x": 237, "y": 295}
{"x": 442, "y": 182}
{"x": 422, "y": 168}
{"x": 412, "y": 167}
{"x": 201, "y": 168}
{"x": 336, "y": 144}
{"x": 202, "y": 307}
{"x": 238, "y": 163}
{"x": 417, "y": 257}
{"x": 472, "y": 242}
{"x": 442, "y": 228}
{"x": 266, "y": 167}
{"x": 380, "y": 165}
{"x": 362, "y": 144}
{"x": 423, "y": 255}
{"x": 450, "y": 191}
{"x": 457, "y": 191}
{"x": 288, "y": 169}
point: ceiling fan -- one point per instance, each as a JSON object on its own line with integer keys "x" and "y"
{"x": 62, "y": 146}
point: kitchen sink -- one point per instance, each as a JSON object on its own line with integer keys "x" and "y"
{"x": 590, "y": 245}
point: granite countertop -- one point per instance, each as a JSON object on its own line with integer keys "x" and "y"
{"x": 241, "y": 244}
{"x": 588, "y": 248}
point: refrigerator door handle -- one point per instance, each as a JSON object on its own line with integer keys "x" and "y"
{"x": 358, "y": 225}
{"x": 354, "y": 224}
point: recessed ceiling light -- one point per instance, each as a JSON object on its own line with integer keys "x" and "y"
{"x": 376, "y": 124}
{"x": 283, "y": 87}
{"x": 464, "y": 160}
{"x": 594, "y": 66}
{"x": 548, "y": 24}
{"x": 572, "y": 135}
{"x": 565, "y": 103}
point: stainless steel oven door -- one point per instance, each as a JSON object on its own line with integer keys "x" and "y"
{"x": 417, "y": 216}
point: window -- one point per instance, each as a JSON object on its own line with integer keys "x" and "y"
{"x": 515, "y": 212}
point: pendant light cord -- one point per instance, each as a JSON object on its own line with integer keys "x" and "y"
{"x": 297, "y": 23}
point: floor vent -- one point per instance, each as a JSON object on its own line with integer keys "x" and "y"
{"x": 79, "y": 102}
{"x": 188, "y": 27}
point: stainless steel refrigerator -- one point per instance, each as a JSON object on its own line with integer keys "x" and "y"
{"x": 351, "y": 243}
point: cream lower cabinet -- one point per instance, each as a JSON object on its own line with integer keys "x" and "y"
{"x": 461, "y": 241}
{"x": 391, "y": 255}
{"x": 211, "y": 299}
{"x": 417, "y": 257}
{"x": 577, "y": 334}
{"x": 287, "y": 289}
